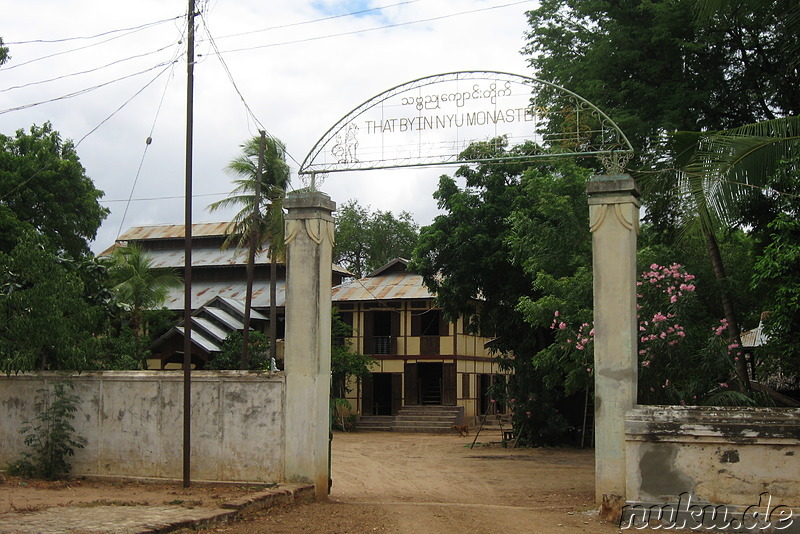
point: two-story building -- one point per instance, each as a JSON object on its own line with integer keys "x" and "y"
{"x": 421, "y": 358}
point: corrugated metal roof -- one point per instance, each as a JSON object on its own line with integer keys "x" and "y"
{"x": 201, "y": 341}
{"x": 390, "y": 286}
{"x": 173, "y": 231}
{"x": 204, "y": 257}
{"x": 202, "y": 292}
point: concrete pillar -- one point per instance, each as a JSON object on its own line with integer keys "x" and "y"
{"x": 614, "y": 223}
{"x": 307, "y": 357}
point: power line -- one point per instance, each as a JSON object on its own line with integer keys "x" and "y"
{"x": 68, "y": 51}
{"x": 376, "y": 28}
{"x": 86, "y": 71}
{"x": 144, "y": 153}
{"x": 85, "y": 90}
{"x": 65, "y": 39}
{"x": 303, "y": 23}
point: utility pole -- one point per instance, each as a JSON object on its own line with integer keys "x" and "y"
{"x": 187, "y": 268}
{"x": 251, "y": 256}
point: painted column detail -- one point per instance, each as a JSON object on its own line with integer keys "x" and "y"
{"x": 307, "y": 360}
{"x": 614, "y": 223}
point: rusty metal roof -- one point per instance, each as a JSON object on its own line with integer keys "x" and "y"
{"x": 173, "y": 231}
{"x": 203, "y": 291}
{"x": 204, "y": 257}
{"x": 389, "y": 286}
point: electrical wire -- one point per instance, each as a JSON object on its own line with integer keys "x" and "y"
{"x": 144, "y": 153}
{"x": 65, "y": 39}
{"x": 376, "y": 28}
{"x": 86, "y": 71}
{"x": 85, "y": 90}
{"x": 56, "y": 54}
{"x": 137, "y": 93}
{"x": 303, "y": 23}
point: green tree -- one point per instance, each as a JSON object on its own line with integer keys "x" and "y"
{"x": 43, "y": 186}
{"x": 483, "y": 261}
{"x": 716, "y": 170}
{"x": 45, "y": 321}
{"x": 231, "y": 355}
{"x": 367, "y": 240}
{"x": 656, "y": 67}
{"x": 139, "y": 285}
{"x": 266, "y": 227}
{"x": 3, "y": 52}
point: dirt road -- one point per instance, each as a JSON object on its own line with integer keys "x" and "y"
{"x": 421, "y": 483}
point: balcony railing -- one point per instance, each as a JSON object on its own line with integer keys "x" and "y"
{"x": 381, "y": 344}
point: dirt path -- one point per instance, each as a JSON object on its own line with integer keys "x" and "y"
{"x": 383, "y": 482}
{"x": 420, "y": 483}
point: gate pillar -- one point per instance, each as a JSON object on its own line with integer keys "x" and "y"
{"x": 614, "y": 223}
{"x": 307, "y": 354}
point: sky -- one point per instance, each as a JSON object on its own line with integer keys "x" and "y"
{"x": 109, "y": 75}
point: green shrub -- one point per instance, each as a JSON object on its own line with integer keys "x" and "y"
{"x": 50, "y": 436}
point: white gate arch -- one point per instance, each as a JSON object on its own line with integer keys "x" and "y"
{"x": 432, "y": 120}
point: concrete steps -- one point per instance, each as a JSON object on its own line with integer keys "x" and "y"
{"x": 430, "y": 419}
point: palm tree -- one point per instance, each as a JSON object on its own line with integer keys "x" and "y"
{"x": 260, "y": 221}
{"x": 715, "y": 171}
{"x": 138, "y": 284}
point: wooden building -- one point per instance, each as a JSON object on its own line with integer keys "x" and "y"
{"x": 422, "y": 359}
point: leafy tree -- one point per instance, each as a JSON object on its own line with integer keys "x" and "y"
{"x": 231, "y": 355}
{"x": 260, "y": 221}
{"x": 484, "y": 262}
{"x": 138, "y": 285}
{"x": 777, "y": 271}
{"x": 3, "y": 52}
{"x": 43, "y": 186}
{"x": 367, "y": 240}
{"x": 50, "y": 436}
{"x": 345, "y": 364}
{"x": 716, "y": 171}
{"x": 45, "y": 321}
{"x": 656, "y": 67}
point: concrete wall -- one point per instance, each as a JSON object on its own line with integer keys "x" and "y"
{"x": 133, "y": 421}
{"x": 718, "y": 455}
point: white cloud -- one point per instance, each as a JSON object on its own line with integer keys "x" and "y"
{"x": 297, "y": 81}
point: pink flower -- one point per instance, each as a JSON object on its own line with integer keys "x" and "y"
{"x": 562, "y": 325}
{"x": 528, "y": 414}
{"x": 646, "y": 363}
{"x": 556, "y": 313}
{"x": 723, "y": 384}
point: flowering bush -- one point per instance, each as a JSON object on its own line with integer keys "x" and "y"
{"x": 679, "y": 364}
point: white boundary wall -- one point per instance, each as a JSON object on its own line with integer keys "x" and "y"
{"x": 133, "y": 422}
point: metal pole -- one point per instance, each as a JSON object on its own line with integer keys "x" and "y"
{"x": 251, "y": 257}
{"x": 187, "y": 269}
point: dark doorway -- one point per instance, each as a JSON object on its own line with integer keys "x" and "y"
{"x": 382, "y": 394}
{"x": 430, "y": 383}
{"x": 485, "y": 383}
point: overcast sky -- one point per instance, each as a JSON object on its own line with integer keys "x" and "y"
{"x": 299, "y": 67}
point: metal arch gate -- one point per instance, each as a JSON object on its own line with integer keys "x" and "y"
{"x": 431, "y": 120}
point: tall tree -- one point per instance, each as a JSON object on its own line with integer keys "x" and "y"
{"x": 511, "y": 246}
{"x": 269, "y": 226}
{"x": 719, "y": 169}
{"x": 138, "y": 284}
{"x": 655, "y": 67}
{"x": 45, "y": 320}
{"x": 366, "y": 240}
{"x": 44, "y": 186}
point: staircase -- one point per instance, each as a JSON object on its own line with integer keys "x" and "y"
{"x": 431, "y": 419}
{"x": 376, "y": 422}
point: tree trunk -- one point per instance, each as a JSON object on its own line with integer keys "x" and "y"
{"x": 734, "y": 338}
{"x": 273, "y": 306}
